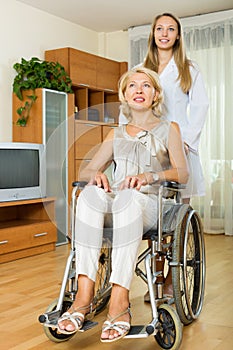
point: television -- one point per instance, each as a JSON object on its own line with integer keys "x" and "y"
{"x": 22, "y": 171}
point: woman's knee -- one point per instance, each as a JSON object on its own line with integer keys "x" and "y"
{"x": 94, "y": 198}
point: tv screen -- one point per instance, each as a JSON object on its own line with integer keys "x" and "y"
{"x": 20, "y": 168}
{"x": 22, "y": 171}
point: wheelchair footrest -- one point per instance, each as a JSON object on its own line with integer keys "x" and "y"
{"x": 86, "y": 326}
{"x": 138, "y": 331}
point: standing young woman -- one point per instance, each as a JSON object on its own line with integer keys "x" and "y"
{"x": 185, "y": 97}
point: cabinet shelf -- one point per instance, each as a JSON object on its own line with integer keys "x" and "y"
{"x": 96, "y": 105}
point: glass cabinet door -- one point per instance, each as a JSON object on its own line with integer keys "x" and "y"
{"x": 55, "y": 139}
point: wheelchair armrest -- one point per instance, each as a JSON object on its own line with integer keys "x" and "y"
{"x": 173, "y": 185}
{"x": 171, "y": 189}
{"x": 80, "y": 184}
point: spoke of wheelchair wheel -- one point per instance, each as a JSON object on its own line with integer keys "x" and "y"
{"x": 168, "y": 333}
{"x": 169, "y": 340}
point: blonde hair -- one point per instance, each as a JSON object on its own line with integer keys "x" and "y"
{"x": 157, "y": 105}
{"x": 181, "y": 60}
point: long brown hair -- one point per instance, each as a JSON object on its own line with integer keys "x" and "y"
{"x": 181, "y": 60}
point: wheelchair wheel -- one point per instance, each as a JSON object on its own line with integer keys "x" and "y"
{"x": 188, "y": 269}
{"x": 102, "y": 285}
{"x": 52, "y": 332}
{"x": 169, "y": 335}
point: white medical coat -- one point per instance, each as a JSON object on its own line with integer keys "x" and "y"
{"x": 188, "y": 110}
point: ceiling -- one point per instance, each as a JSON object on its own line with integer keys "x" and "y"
{"x": 110, "y": 16}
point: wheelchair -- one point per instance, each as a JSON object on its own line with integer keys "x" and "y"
{"x": 178, "y": 241}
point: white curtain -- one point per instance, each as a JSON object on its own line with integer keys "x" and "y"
{"x": 209, "y": 41}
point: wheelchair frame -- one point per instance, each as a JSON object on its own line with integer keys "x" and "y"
{"x": 179, "y": 240}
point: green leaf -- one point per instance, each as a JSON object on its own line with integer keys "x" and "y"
{"x": 35, "y": 73}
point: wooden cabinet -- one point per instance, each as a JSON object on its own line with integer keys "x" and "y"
{"x": 26, "y": 228}
{"x": 88, "y": 69}
{"x": 88, "y": 138}
{"x": 34, "y": 131}
{"x": 51, "y": 124}
{"x": 94, "y": 81}
{"x": 95, "y": 86}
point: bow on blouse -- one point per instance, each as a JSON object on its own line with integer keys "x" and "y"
{"x": 146, "y": 139}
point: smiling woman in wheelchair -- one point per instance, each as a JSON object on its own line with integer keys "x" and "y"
{"x": 145, "y": 152}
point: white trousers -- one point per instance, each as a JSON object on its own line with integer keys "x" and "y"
{"x": 129, "y": 213}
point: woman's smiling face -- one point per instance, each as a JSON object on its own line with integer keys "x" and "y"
{"x": 166, "y": 32}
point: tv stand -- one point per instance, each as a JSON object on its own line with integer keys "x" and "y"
{"x": 27, "y": 227}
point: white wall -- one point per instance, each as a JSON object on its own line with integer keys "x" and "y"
{"x": 114, "y": 45}
{"x": 28, "y": 32}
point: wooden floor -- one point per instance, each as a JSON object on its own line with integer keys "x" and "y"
{"x": 29, "y": 285}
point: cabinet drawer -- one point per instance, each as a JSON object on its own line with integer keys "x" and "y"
{"x": 88, "y": 138}
{"x": 26, "y": 236}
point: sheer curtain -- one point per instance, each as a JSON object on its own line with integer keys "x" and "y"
{"x": 209, "y": 41}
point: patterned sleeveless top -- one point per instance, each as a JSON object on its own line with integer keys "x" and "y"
{"x": 145, "y": 152}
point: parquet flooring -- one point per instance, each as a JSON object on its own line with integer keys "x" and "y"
{"x": 29, "y": 285}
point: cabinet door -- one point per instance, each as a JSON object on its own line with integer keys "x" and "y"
{"x": 82, "y": 68}
{"x": 59, "y": 55}
{"x": 56, "y": 140}
{"x": 88, "y": 138}
{"x": 108, "y": 73}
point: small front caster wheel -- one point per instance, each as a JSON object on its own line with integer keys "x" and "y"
{"x": 52, "y": 332}
{"x": 170, "y": 328}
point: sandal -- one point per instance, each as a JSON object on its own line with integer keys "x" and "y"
{"x": 76, "y": 318}
{"x": 121, "y": 327}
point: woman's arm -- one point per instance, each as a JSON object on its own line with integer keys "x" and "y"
{"x": 179, "y": 168}
{"x": 94, "y": 171}
{"x": 178, "y": 171}
{"x": 198, "y": 107}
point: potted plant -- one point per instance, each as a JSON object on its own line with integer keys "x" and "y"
{"x": 33, "y": 74}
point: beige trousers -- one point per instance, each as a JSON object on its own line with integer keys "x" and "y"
{"x": 129, "y": 213}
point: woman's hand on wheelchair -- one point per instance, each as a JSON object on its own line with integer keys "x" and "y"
{"x": 101, "y": 181}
